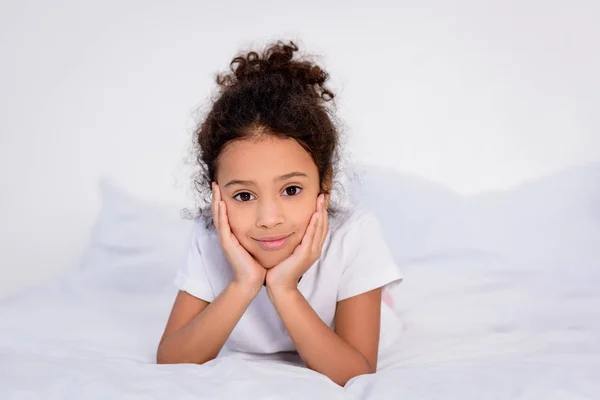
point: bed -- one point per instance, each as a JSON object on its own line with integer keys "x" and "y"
{"x": 500, "y": 301}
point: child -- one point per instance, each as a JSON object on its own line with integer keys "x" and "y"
{"x": 269, "y": 271}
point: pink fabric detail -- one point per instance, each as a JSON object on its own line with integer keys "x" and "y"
{"x": 387, "y": 299}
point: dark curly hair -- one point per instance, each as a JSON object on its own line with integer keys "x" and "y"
{"x": 269, "y": 94}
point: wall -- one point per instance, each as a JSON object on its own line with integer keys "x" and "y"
{"x": 472, "y": 95}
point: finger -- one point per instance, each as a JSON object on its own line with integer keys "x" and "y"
{"x": 309, "y": 235}
{"x": 217, "y": 193}
{"x": 319, "y": 231}
{"x": 224, "y": 220}
{"x": 325, "y": 228}
{"x": 318, "y": 226}
{"x": 325, "y": 224}
{"x": 323, "y": 234}
{"x": 214, "y": 205}
{"x": 221, "y": 208}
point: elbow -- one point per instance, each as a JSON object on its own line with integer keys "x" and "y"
{"x": 162, "y": 358}
{"x": 362, "y": 369}
{"x": 164, "y": 355}
{"x": 167, "y": 358}
{"x": 342, "y": 381}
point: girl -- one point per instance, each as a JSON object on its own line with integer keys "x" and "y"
{"x": 269, "y": 271}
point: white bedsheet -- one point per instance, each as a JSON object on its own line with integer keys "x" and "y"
{"x": 93, "y": 335}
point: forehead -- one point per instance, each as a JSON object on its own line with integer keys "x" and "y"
{"x": 264, "y": 158}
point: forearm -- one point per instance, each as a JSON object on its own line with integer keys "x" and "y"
{"x": 319, "y": 347}
{"x": 203, "y": 337}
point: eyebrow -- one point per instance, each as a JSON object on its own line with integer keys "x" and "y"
{"x": 291, "y": 175}
{"x": 279, "y": 178}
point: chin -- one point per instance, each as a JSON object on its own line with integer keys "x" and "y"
{"x": 271, "y": 260}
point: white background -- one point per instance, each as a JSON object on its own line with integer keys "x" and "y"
{"x": 474, "y": 95}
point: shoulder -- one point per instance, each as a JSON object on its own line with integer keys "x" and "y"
{"x": 201, "y": 232}
{"x": 204, "y": 240}
{"x": 352, "y": 222}
{"x": 359, "y": 248}
{"x": 201, "y": 273}
{"x": 350, "y": 230}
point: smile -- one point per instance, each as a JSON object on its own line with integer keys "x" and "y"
{"x": 272, "y": 242}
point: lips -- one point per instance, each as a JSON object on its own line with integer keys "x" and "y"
{"x": 272, "y": 242}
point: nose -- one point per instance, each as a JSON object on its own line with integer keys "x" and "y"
{"x": 270, "y": 214}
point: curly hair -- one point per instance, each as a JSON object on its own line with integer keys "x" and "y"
{"x": 269, "y": 94}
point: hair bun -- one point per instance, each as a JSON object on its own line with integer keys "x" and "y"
{"x": 277, "y": 60}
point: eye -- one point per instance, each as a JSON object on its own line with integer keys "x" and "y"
{"x": 292, "y": 190}
{"x": 243, "y": 196}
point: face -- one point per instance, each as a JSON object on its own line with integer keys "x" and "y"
{"x": 270, "y": 186}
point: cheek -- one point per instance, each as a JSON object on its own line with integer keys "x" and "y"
{"x": 238, "y": 219}
{"x": 303, "y": 214}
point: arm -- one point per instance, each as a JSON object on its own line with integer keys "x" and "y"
{"x": 197, "y": 330}
{"x": 342, "y": 354}
{"x": 349, "y": 351}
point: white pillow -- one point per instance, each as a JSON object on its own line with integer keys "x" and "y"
{"x": 133, "y": 236}
{"x": 550, "y": 223}
{"x": 512, "y": 271}
{"x": 543, "y": 222}
{"x": 409, "y": 209}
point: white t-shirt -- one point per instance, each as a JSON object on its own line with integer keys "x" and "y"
{"x": 354, "y": 260}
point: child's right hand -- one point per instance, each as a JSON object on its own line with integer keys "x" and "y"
{"x": 247, "y": 271}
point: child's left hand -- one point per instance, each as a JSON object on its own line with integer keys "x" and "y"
{"x": 286, "y": 274}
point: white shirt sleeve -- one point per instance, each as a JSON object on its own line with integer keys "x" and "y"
{"x": 192, "y": 277}
{"x": 370, "y": 264}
